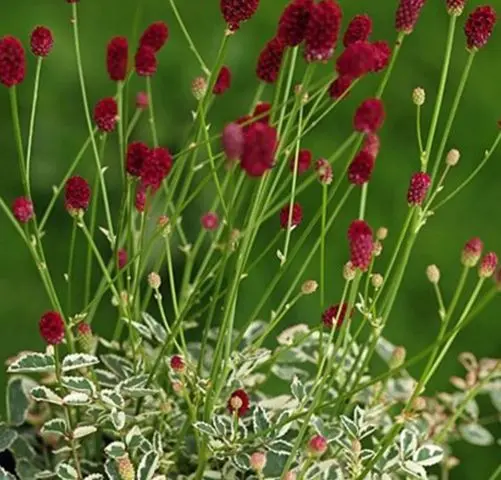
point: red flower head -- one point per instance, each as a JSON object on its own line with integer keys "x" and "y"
{"x": 22, "y": 208}
{"x": 455, "y": 7}
{"x": 12, "y": 61}
{"x": 418, "y": 188}
{"x": 471, "y": 252}
{"x": 145, "y": 61}
{"x": 233, "y": 141}
{"x": 155, "y": 36}
{"x": 259, "y": 112}
{"x": 117, "y": 57}
{"x": 237, "y": 11}
{"x": 156, "y": 167}
{"x": 223, "y": 81}
{"x": 488, "y": 265}
{"x": 361, "y": 250}
{"x": 76, "y": 194}
{"x": 238, "y": 402}
{"x": 479, "y": 26}
{"x": 371, "y": 144}
{"x": 294, "y": 21}
{"x": 106, "y": 114}
{"x": 324, "y": 171}
{"x": 270, "y": 59}
{"x": 297, "y": 215}
{"x": 358, "y": 30}
{"x": 260, "y": 143}
{"x": 317, "y": 445}
{"x": 136, "y": 154}
{"x": 361, "y": 168}
{"x": 358, "y": 228}
{"x": 122, "y": 258}
{"x": 357, "y": 60}
{"x": 140, "y": 200}
{"x": 210, "y": 221}
{"x": 322, "y": 31}
{"x": 303, "y": 161}
{"x": 338, "y": 88}
{"x": 369, "y": 116}
{"x": 335, "y": 312}
{"x": 52, "y": 328}
{"x": 382, "y": 55}
{"x": 407, "y": 15}
{"x": 41, "y": 41}
{"x": 177, "y": 363}
{"x": 142, "y": 100}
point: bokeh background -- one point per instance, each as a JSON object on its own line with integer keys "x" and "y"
{"x": 61, "y": 130}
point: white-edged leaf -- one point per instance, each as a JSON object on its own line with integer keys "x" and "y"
{"x": 5, "y": 475}
{"x": 156, "y": 329}
{"x": 260, "y": 420}
{"x": 94, "y": 476}
{"x": 45, "y": 474}
{"x": 111, "y": 470}
{"x": 118, "y": 365}
{"x": 496, "y": 399}
{"x": 41, "y": 393}
{"x": 476, "y": 434}
{"x": 298, "y": 390}
{"x": 18, "y": 399}
{"x": 84, "y": 431}
{"x": 408, "y": 442}
{"x": 134, "y": 437}
{"x": 66, "y": 472}
{"x": 32, "y": 362}
{"x": 281, "y": 447}
{"x": 7, "y": 437}
{"x": 283, "y": 417}
{"x": 428, "y": 455}
{"x": 112, "y": 398}
{"x": 349, "y": 426}
{"x": 157, "y": 442}
{"x": 105, "y": 378}
{"x": 205, "y": 428}
{"x": 56, "y": 426}
{"x": 253, "y": 331}
{"x": 74, "y": 361}
{"x": 116, "y": 449}
{"x": 414, "y": 469}
{"x": 118, "y": 418}
{"x": 79, "y": 384}
{"x": 142, "y": 329}
{"x": 147, "y": 466}
{"x": 223, "y": 425}
{"x": 76, "y": 399}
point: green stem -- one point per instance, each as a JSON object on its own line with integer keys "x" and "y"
{"x": 323, "y": 234}
{"x": 69, "y": 277}
{"x": 18, "y": 137}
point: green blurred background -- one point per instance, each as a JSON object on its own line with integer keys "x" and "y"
{"x": 61, "y": 130}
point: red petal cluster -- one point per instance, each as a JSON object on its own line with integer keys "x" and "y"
{"x": 233, "y": 141}
{"x": 407, "y": 15}
{"x": 297, "y": 215}
{"x": 155, "y": 36}
{"x": 12, "y": 61}
{"x": 361, "y": 244}
{"x": 294, "y": 21}
{"x": 51, "y": 327}
{"x": 117, "y": 57}
{"x": 371, "y": 144}
{"x": 106, "y": 114}
{"x": 479, "y": 25}
{"x": 369, "y": 116}
{"x": 122, "y": 258}
{"x": 303, "y": 161}
{"x": 471, "y": 252}
{"x": 22, "y": 209}
{"x": 260, "y": 143}
{"x": 237, "y": 11}
{"x": 322, "y": 31}
{"x": 270, "y": 60}
{"x": 76, "y": 194}
{"x": 382, "y": 55}
{"x": 177, "y": 363}
{"x": 155, "y": 168}
{"x": 488, "y": 265}
{"x": 455, "y": 7}
{"x": 361, "y": 168}
{"x": 357, "y": 228}
{"x": 418, "y": 188}
{"x": 338, "y": 88}
{"x": 359, "y": 30}
{"x": 335, "y": 312}
{"x": 137, "y": 152}
{"x": 145, "y": 61}
{"x": 357, "y": 60}
{"x": 41, "y": 41}
{"x": 239, "y": 402}
{"x": 223, "y": 81}
{"x": 261, "y": 112}
{"x": 210, "y": 221}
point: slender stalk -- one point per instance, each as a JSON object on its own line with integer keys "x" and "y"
{"x": 323, "y": 234}
{"x": 18, "y": 137}
{"x": 69, "y": 272}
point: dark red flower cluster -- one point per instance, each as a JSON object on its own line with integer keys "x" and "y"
{"x": 361, "y": 244}
{"x": 260, "y": 143}
{"x": 136, "y": 154}
{"x": 488, "y": 265}
{"x": 372, "y": 144}
{"x": 455, "y": 7}
{"x": 369, "y": 116}
{"x": 335, "y": 313}
{"x": 155, "y": 36}
{"x": 12, "y": 61}
{"x": 261, "y": 112}
{"x": 209, "y": 221}
{"x": 76, "y": 194}
{"x": 294, "y": 21}
{"x": 359, "y": 30}
{"x": 478, "y": 27}
{"x": 361, "y": 168}
{"x": 270, "y": 60}
{"x": 303, "y": 161}
{"x": 339, "y": 87}
{"x": 106, "y": 114}
{"x": 238, "y": 402}
{"x": 22, "y": 209}
{"x": 177, "y": 363}
{"x": 418, "y": 188}
{"x": 382, "y": 55}
{"x": 237, "y": 11}
{"x": 155, "y": 168}
{"x": 407, "y": 15}
{"x": 41, "y": 41}
{"x": 471, "y": 252}
{"x": 233, "y": 141}
{"x": 322, "y": 31}
{"x": 117, "y": 57}
{"x": 223, "y": 81}
{"x": 359, "y": 59}
{"x": 145, "y": 61}
{"x": 122, "y": 258}
{"x": 297, "y": 215}
{"x": 51, "y": 327}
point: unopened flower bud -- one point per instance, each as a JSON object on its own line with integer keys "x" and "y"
{"x": 471, "y": 252}
{"x": 451, "y": 462}
{"x": 382, "y": 233}
{"x": 471, "y": 378}
{"x": 309, "y": 287}
{"x": 154, "y": 280}
{"x": 199, "y": 88}
{"x": 317, "y": 445}
{"x": 377, "y": 281}
{"x": 142, "y": 101}
{"x": 356, "y": 447}
{"x": 258, "y": 461}
{"x": 177, "y": 364}
{"x": 397, "y": 357}
{"x": 419, "y": 404}
{"x": 125, "y": 468}
{"x": 452, "y": 157}
{"x": 418, "y": 96}
{"x": 349, "y": 271}
{"x": 85, "y": 338}
{"x": 324, "y": 171}
{"x": 377, "y": 248}
{"x": 177, "y": 387}
{"x": 488, "y": 265}
{"x": 163, "y": 224}
{"x": 433, "y": 273}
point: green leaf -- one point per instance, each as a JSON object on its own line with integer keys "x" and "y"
{"x": 134, "y": 438}
{"x": 116, "y": 449}
{"x": 4, "y": 475}
{"x": 148, "y": 466}
{"x": 106, "y": 379}
{"x": 56, "y": 426}
{"x": 118, "y": 365}
{"x": 156, "y": 329}
{"x": 79, "y": 384}
{"x": 18, "y": 399}
{"x": 111, "y": 470}
{"x": 76, "y": 399}
{"x": 118, "y": 418}
{"x": 143, "y": 330}
{"x": 84, "y": 431}
{"x": 476, "y": 434}
{"x": 74, "y": 361}
{"x": 25, "y": 469}
{"x": 408, "y": 442}
{"x": 33, "y": 362}
{"x": 21, "y": 448}
{"x": 297, "y": 389}
{"x": 41, "y": 393}
{"x": 428, "y": 455}
{"x": 260, "y": 420}
{"x": 7, "y": 437}
{"x": 205, "y": 428}
{"x": 112, "y": 398}
{"x": 349, "y": 426}
{"x": 66, "y": 472}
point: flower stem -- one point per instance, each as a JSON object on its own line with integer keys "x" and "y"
{"x": 19, "y": 140}
{"x": 69, "y": 273}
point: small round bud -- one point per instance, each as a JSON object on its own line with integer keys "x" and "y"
{"x": 382, "y": 233}
{"x": 451, "y": 462}
{"x": 309, "y": 287}
{"x": 356, "y": 447}
{"x": 397, "y": 357}
{"x": 418, "y": 96}
{"x": 377, "y": 248}
{"x": 452, "y": 157}
{"x": 317, "y": 445}
{"x": 471, "y": 252}
{"x": 85, "y": 338}
{"x": 142, "y": 100}
{"x": 377, "y": 281}
{"x": 433, "y": 273}
{"x": 349, "y": 271}
{"x": 177, "y": 364}
{"x": 419, "y": 404}
{"x": 154, "y": 280}
{"x": 210, "y": 221}
{"x": 324, "y": 171}
{"x": 199, "y": 87}
{"x": 177, "y": 387}
{"x": 488, "y": 265}
{"x": 258, "y": 461}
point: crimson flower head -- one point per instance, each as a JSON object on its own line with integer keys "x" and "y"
{"x": 418, "y": 188}
{"x": 41, "y": 41}
{"x": 52, "y": 328}
{"x": 357, "y": 60}
{"x": 357, "y": 228}
{"x": 12, "y": 61}
{"x": 372, "y": 144}
{"x": 122, "y": 258}
{"x": 223, "y": 81}
{"x": 488, "y": 265}
{"x": 478, "y": 27}
{"x": 361, "y": 244}
{"x": 76, "y": 194}
{"x": 156, "y": 167}
{"x": 106, "y": 114}
{"x": 407, "y": 15}
{"x": 270, "y": 60}
{"x": 317, "y": 445}
{"x": 303, "y": 161}
{"x": 238, "y": 402}
{"x": 359, "y": 30}
{"x": 237, "y": 11}
{"x": 155, "y": 36}
{"x": 335, "y": 313}
{"x": 117, "y": 57}
{"x": 260, "y": 143}
{"x": 322, "y": 31}
{"x": 177, "y": 363}
{"x": 294, "y": 21}
{"x": 210, "y": 221}
{"x": 136, "y": 154}
{"x": 233, "y": 141}
{"x": 361, "y": 168}
{"x": 471, "y": 252}
{"x": 22, "y": 208}
{"x": 145, "y": 61}
{"x": 297, "y": 215}
{"x": 382, "y": 55}
{"x": 339, "y": 87}
{"x": 455, "y": 7}
{"x": 369, "y": 116}
{"x": 142, "y": 100}
{"x": 260, "y": 110}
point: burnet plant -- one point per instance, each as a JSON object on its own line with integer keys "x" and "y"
{"x": 146, "y": 403}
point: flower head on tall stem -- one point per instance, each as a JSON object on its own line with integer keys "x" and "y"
{"x": 324, "y": 171}
{"x": 372, "y": 144}
{"x": 339, "y": 87}
{"x": 236, "y": 12}
{"x": 238, "y": 402}
{"x": 137, "y": 152}
{"x": 155, "y": 36}
{"x": 369, "y": 116}
{"x": 471, "y": 252}
{"x": 22, "y": 209}
{"x": 335, "y": 313}
{"x": 297, "y": 215}
{"x": 260, "y": 143}
{"x": 223, "y": 81}
{"x": 304, "y": 158}
{"x": 140, "y": 198}
{"x": 145, "y": 61}
{"x": 407, "y": 15}
{"x": 455, "y": 7}
{"x": 361, "y": 168}
{"x": 270, "y": 60}
{"x": 142, "y": 100}
{"x": 317, "y": 445}
{"x": 76, "y": 194}
{"x": 488, "y": 265}
{"x": 361, "y": 244}
{"x": 210, "y": 221}
{"x": 294, "y": 21}
{"x": 51, "y": 327}
{"x": 233, "y": 141}
{"x": 155, "y": 168}
{"x": 12, "y": 61}
{"x": 357, "y": 60}
{"x": 359, "y": 29}
{"x": 122, "y": 258}
{"x": 418, "y": 188}
{"x": 41, "y": 41}
{"x": 382, "y": 55}
{"x": 262, "y": 112}
{"x": 479, "y": 26}
{"x": 106, "y": 114}
{"x": 117, "y": 57}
